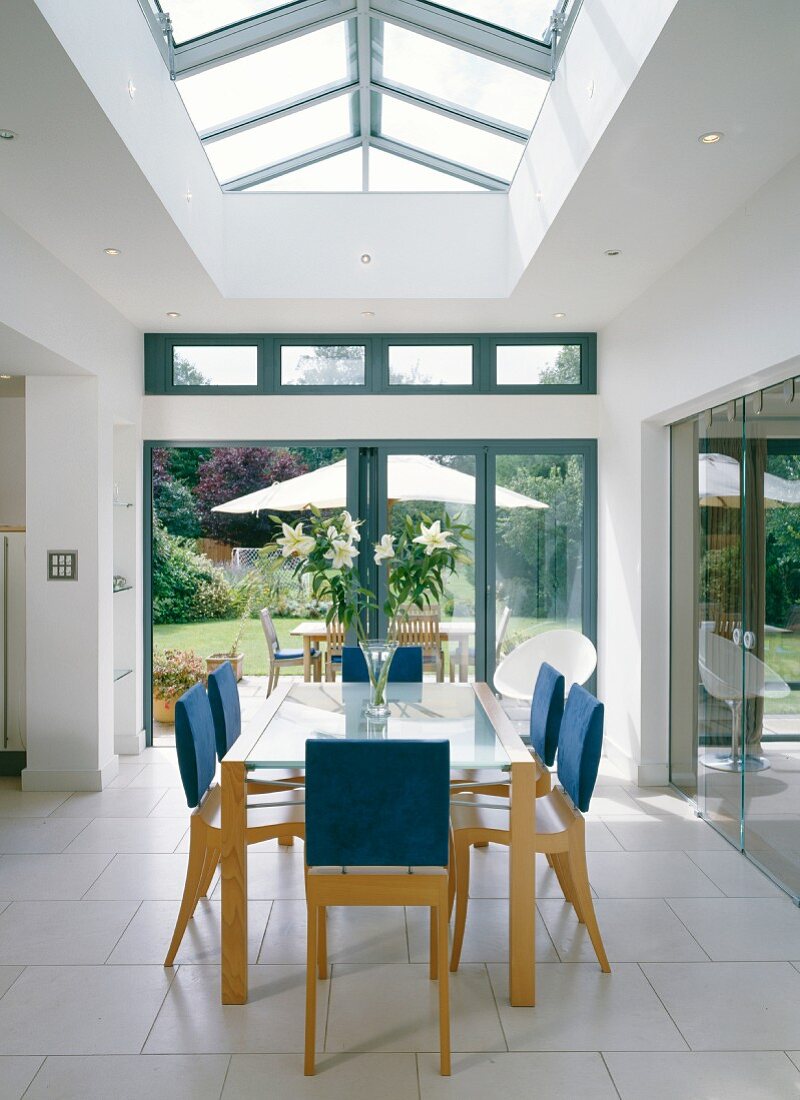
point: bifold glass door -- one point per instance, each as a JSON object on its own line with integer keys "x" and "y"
{"x": 735, "y": 676}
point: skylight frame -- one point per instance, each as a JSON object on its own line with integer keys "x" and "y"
{"x": 365, "y": 82}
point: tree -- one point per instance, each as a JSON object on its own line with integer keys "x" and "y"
{"x": 231, "y": 472}
{"x": 332, "y": 364}
{"x": 566, "y": 371}
{"x": 175, "y": 507}
{"x": 185, "y": 373}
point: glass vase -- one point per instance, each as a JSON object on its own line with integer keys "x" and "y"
{"x": 378, "y": 655}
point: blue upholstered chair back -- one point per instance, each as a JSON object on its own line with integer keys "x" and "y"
{"x": 377, "y": 803}
{"x": 406, "y": 666}
{"x": 547, "y": 710}
{"x": 194, "y": 740}
{"x": 223, "y": 696}
{"x": 579, "y": 746}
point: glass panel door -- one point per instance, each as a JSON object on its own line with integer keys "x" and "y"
{"x": 772, "y": 637}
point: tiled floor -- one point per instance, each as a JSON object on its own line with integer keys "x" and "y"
{"x": 703, "y": 999}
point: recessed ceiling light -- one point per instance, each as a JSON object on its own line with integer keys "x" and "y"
{"x": 7, "y": 135}
{"x": 711, "y": 138}
{"x": 131, "y": 89}
{"x": 5, "y": 377}
{"x": 367, "y": 313}
{"x": 559, "y": 316}
{"x": 113, "y": 251}
{"x": 366, "y": 258}
{"x": 172, "y": 313}
{"x": 612, "y": 252}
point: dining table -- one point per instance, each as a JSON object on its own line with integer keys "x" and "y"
{"x": 480, "y": 735}
{"x": 458, "y": 632}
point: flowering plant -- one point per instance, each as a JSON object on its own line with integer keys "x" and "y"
{"x": 419, "y": 560}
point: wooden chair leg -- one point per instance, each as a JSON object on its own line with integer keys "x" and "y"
{"x": 311, "y": 991}
{"x": 451, "y": 878}
{"x": 322, "y": 942}
{"x": 286, "y": 840}
{"x": 434, "y": 943}
{"x": 444, "y": 991}
{"x": 210, "y": 866}
{"x": 462, "y": 898}
{"x": 561, "y": 867}
{"x": 582, "y": 893}
{"x": 194, "y": 871}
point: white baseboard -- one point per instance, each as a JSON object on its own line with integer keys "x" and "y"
{"x": 621, "y": 761}
{"x": 652, "y": 775}
{"x": 39, "y": 779}
{"x": 129, "y": 744}
{"x": 643, "y": 775}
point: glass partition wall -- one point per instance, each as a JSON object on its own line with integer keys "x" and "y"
{"x": 735, "y": 644}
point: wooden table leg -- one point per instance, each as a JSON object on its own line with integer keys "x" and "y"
{"x": 522, "y": 886}
{"x": 306, "y": 658}
{"x": 234, "y": 884}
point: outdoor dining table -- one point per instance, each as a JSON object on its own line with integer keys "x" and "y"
{"x": 458, "y": 631}
{"x": 480, "y": 735}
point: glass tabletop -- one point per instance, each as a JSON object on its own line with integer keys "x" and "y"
{"x": 417, "y": 711}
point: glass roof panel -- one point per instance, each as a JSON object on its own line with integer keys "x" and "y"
{"x": 528, "y": 17}
{"x": 262, "y": 80}
{"x": 388, "y": 172}
{"x": 448, "y": 139}
{"x": 339, "y": 173}
{"x": 276, "y": 141}
{"x": 191, "y": 18}
{"x": 461, "y": 78}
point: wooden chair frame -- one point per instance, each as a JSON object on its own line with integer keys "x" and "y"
{"x": 277, "y": 663}
{"x": 421, "y": 627}
{"x": 334, "y": 644}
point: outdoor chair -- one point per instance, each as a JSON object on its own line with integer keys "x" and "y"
{"x": 283, "y": 658}
{"x": 560, "y": 827}
{"x": 500, "y": 637}
{"x": 417, "y": 627}
{"x": 380, "y": 842}
{"x": 406, "y": 666}
{"x": 571, "y": 652}
{"x": 334, "y": 644}
{"x": 280, "y": 815}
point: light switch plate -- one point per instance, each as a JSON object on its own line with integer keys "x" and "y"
{"x": 62, "y": 565}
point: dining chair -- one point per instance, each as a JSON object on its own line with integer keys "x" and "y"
{"x": 560, "y": 826}
{"x": 380, "y": 842}
{"x": 406, "y": 666}
{"x": 421, "y": 627}
{"x": 334, "y": 644}
{"x": 283, "y": 658}
{"x": 570, "y": 651}
{"x": 276, "y": 816}
{"x": 500, "y": 637}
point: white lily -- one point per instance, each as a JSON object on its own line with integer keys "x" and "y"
{"x": 434, "y": 538}
{"x": 332, "y": 533}
{"x": 384, "y": 550}
{"x": 349, "y": 528}
{"x": 341, "y": 554}
{"x": 295, "y": 542}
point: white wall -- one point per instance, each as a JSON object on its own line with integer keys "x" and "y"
{"x": 722, "y": 322}
{"x": 12, "y": 461}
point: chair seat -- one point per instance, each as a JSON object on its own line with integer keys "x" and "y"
{"x": 264, "y": 810}
{"x": 554, "y": 814}
{"x": 377, "y": 871}
{"x": 292, "y": 654}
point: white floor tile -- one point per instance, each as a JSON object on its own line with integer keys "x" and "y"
{"x": 355, "y": 935}
{"x": 125, "y": 774}
{"x": 131, "y": 1077}
{"x": 8, "y": 975}
{"x": 36, "y": 933}
{"x": 731, "y": 1005}
{"x": 129, "y": 835}
{"x": 110, "y": 803}
{"x": 16, "y": 1074}
{"x": 633, "y": 930}
{"x": 148, "y": 936}
{"x": 395, "y": 1009}
{"x": 663, "y": 802}
{"x": 275, "y": 875}
{"x": 734, "y": 1075}
{"x": 338, "y": 1077}
{"x": 599, "y": 838}
{"x": 193, "y": 1019}
{"x": 485, "y": 936}
{"x": 614, "y": 801}
{"x": 543, "y": 1076}
{"x": 81, "y": 1009}
{"x": 48, "y": 877}
{"x": 140, "y": 878}
{"x": 735, "y": 875}
{"x": 580, "y": 1008}
{"x": 157, "y": 775}
{"x": 739, "y": 929}
{"x": 647, "y": 875}
{"x": 489, "y": 875}
{"x": 18, "y": 803}
{"x": 38, "y": 835}
{"x": 653, "y": 834}
{"x": 171, "y": 803}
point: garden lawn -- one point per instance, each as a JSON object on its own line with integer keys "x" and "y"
{"x": 217, "y": 636}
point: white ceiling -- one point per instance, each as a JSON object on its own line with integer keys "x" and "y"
{"x": 649, "y": 188}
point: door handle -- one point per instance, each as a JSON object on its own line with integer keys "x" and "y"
{"x": 749, "y": 639}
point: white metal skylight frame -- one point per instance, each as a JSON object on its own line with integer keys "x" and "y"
{"x": 365, "y": 84}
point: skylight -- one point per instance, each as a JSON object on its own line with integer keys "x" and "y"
{"x": 364, "y": 95}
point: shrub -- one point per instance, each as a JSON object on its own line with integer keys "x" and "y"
{"x": 175, "y": 671}
{"x": 187, "y": 587}
{"x": 175, "y": 508}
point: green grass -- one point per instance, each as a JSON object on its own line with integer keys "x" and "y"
{"x": 217, "y": 636}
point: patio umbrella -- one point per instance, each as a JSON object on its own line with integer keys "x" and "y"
{"x": 411, "y": 477}
{"x": 718, "y": 483}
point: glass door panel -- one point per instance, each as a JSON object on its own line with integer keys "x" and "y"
{"x": 772, "y": 638}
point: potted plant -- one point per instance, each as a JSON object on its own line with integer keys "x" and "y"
{"x": 174, "y": 671}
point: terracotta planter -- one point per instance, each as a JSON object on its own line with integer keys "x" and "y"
{"x": 216, "y": 659}
{"x": 163, "y": 710}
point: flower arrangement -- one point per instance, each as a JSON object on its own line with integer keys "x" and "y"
{"x": 175, "y": 671}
